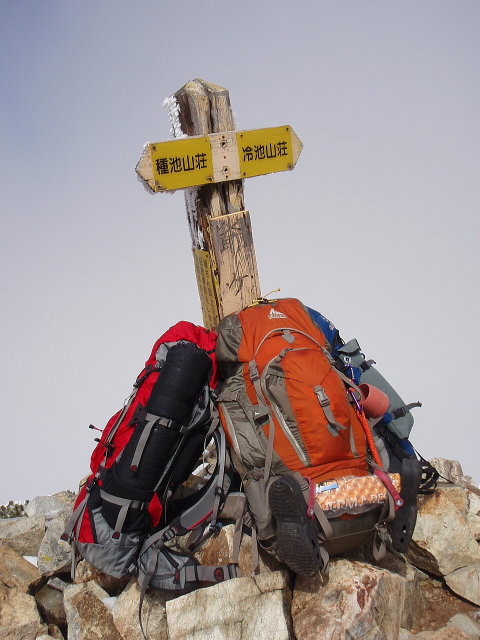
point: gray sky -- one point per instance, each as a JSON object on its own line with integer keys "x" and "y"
{"x": 377, "y": 227}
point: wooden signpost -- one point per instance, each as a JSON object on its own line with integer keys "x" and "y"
{"x": 209, "y": 165}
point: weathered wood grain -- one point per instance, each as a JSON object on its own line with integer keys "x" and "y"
{"x": 205, "y": 108}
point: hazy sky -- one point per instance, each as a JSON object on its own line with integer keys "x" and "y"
{"x": 377, "y": 227}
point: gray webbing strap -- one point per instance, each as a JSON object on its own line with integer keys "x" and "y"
{"x": 255, "y": 378}
{"x": 202, "y": 573}
{"x": 387, "y": 514}
{"x": 74, "y": 518}
{"x": 155, "y": 538}
{"x": 221, "y": 453}
{"x": 122, "y": 516}
{"x": 237, "y": 539}
{"x": 121, "y": 502}
{"x": 334, "y": 427}
{"x": 255, "y": 555}
{"x": 325, "y": 525}
{"x": 143, "y": 579}
{"x": 269, "y": 452}
{"x": 124, "y": 505}
{"x": 142, "y": 442}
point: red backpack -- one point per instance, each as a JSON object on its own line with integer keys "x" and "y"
{"x": 147, "y": 449}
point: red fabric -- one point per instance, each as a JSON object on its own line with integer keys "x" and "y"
{"x": 183, "y": 330}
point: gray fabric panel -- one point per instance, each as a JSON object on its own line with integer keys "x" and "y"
{"x": 230, "y": 335}
{"x": 348, "y": 534}
{"x": 249, "y": 441}
{"x": 256, "y": 492}
{"x": 275, "y": 383}
{"x": 164, "y": 572}
{"x": 110, "y": 555}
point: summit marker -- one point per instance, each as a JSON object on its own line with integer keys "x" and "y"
{"x": 218, "y": 157}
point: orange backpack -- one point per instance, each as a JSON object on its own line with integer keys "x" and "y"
{"x": 283, "y": 393}
{"x": 293, "y": 420}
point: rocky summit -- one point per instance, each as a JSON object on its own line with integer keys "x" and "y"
{"x": 431, "y": 593}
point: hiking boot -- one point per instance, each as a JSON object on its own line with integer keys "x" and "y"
{"x": 297, "y": 534}
{"x": 406, "y": 516}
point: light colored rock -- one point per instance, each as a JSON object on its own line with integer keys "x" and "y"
{"x": 240, "y": 609}
{"x": 450, "y": 469}
{"x": 16, "y": 572}
{"x": 357, "y": 600}
{"x": 442, "y": 541}
{"x": 23, "y": 534}
{"x": 85, "y": 572}
{"x": 54, "y": 555}
{"x": 465, "y": 623}
{"x": 154, "y": 619}
{"x": 466, "y": 582}
{"x": 17, "y": 608}
{"x": 87, "y": 616}
{"x": 473, "y": 514}
{"x": 414, "y": 599}
{"x": 445, "y": 633}
{"x": 42, "y": 505}
{"x": 219, "y": 548}
{"x": 28, "y": 631}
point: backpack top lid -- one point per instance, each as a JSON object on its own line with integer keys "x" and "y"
{"x": 185, "y": 330}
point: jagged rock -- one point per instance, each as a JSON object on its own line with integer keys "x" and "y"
{"x": 54, "y": 632}
{"x": 54, "y": 555}
{"x": 85, "y": 572}
{"x": 466, "y": 582}
{"x": 28, "y": 631}
{"x": 473, "y": 514}
{"x": 125, "y": 614}
{"x": 451, "y": 470}
{"x": 23, "y": 534}
{"x": 218, "y": 550}
{"x": 414, "y": 578}
{"x": 50, "y": 604}
{"x": 43, "y": 505}
{"x": 460, "y": 627}
{"x": 445, "y": 633}
{"x": 87, "y": 616}
{"x": 58, "y": 584}
{"x": 465, "y": 623}
{"x": 443, "y": 540}
{"x": 357, "y": 600}
{"x": 17, "y": 609}
{"x": 16, "y": 572}
{"x": 240, "y": 609}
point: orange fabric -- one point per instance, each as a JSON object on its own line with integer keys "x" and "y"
{"x": 302, "y": 371}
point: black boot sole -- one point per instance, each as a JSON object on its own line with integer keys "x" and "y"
{"x": 406, "y": 517}
{"x": 297, "y": 534}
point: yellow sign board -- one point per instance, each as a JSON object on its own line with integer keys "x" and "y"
{"x": 181, "y": 163}
{"x": 262, "y": 151}
{"x": 206, "y": 288}
{"x": 218, "y": 157}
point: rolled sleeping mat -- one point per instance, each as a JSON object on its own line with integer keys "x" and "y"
{"x": 137, "y": 470}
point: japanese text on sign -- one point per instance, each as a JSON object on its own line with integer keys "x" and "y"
{"x": 182, "y": 163}
{"x": 263, "y": 151}
{"x": 176, "y": 164}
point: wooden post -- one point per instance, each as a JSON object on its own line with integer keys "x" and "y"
{"x": 220, "y": 228}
